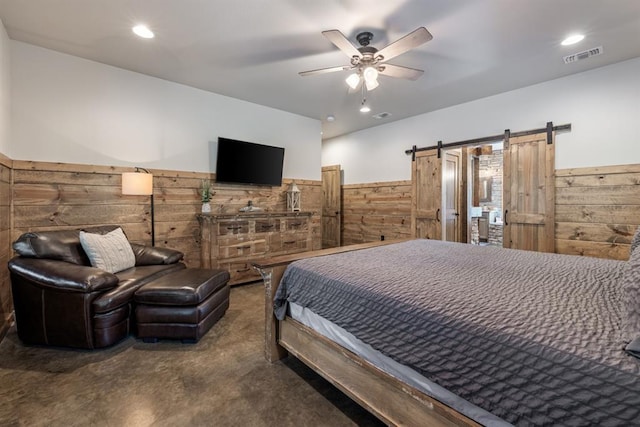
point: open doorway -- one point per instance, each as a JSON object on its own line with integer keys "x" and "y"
{"x": 485, "y": 194}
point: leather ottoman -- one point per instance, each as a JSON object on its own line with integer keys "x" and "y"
{"x": 181, "y": 305}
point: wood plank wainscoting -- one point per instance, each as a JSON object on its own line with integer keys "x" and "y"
{"x": 58, "y": 195}
{"x": 376, "y": 209}
{"x": 597, "y": 210}
{"x": 38, "y": 196}
{"x": 6, "y": 304}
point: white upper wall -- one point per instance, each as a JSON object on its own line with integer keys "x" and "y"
{"x": 72, "y": 110}
{"x": 5, "y": 90}
{"x": 602, "y": 106}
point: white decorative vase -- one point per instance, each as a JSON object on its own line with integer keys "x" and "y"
{"x": 206, "y": 207}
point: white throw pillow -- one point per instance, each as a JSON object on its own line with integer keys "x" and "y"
{"x": 110, "y": 252}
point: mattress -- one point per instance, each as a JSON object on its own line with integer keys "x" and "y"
{"x": 531, "y": 338}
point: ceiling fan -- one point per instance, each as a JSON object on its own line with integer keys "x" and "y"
{"x": 367, "y": 61}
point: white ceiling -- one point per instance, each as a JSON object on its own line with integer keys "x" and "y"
{"x": 254, "y": 49}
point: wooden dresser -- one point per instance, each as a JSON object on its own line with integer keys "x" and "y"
{"x": 233, "y": 241}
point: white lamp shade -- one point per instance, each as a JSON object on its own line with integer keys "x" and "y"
{"x": 370, "y": 74}
{"x": 136, "y": 183}
{"x": 371, "y": 84}
{"x": 353, "y": 81}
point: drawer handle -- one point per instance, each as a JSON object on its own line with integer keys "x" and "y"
{"x": 296, "y": 224}
{"x": 290, "y": 242}
{"x": 244, "y": 247}
{"x": 266, "y": 227}
{"x": 234, "y": 227}
{"x": 242, "y": 271}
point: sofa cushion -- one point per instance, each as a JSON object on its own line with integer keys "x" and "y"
{"x": 62, "y": 245}
{"x": 110, "y": 252}
{"x": 130, "y": 281}
{"x": 149, "y": 255}
{"x": 187, "y": 287}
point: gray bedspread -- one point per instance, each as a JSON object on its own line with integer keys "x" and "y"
{"x": 533, "y": 338}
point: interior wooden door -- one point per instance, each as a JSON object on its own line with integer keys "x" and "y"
{"x": 331, "y": 206}
{"x": 529, "y": 192}
{"x": 426, "y": 204}
{"x": 451, "y": 212}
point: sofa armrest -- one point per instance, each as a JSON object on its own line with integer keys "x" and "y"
{"x": 153, "y": 255}
{"x": 61, "y": 275}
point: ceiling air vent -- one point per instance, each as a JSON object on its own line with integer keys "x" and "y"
{"x": 583, "y": 55}
{"x": 381, "y": 115}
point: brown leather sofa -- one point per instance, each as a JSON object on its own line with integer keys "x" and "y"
{"x": 60, "y": 300}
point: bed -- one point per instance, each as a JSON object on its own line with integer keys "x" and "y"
{"x": 442, "y": 333}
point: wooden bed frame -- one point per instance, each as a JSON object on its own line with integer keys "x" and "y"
{"x": 388, "y": 398}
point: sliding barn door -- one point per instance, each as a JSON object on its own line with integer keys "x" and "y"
{"x": 529, "y": 192}
{"x": 426, "y": 207}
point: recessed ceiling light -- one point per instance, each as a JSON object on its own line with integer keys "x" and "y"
{"x": 364, "y": 107}
{"x": 331, "y": 118}
{"x": 143, "y": 31}
{"x": 573, "y": 39}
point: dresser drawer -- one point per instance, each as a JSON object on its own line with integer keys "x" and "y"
{"x": 235, "y": 247}
{"x": 267, "y": 226}
{"x": 287, "y": 243}
{"x": 233, "y": 227}
{"x": 296, "y": 224}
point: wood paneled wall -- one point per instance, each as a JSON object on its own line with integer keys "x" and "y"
{"x": 54, "y": 196}
{"x": 37, "y": 196}
{"x": 6, "y": 303}
{"x": 376, "y": 209}
{"x": 597, "y": 210}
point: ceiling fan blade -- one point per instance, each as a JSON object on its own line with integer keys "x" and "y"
{"x": 400, "y": 72}
{"x": 342, "y": 43}
{"x": 324, "y": 70}
{"x": 408, "y": 42}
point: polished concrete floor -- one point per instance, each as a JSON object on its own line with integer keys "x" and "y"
{"x": 223, "y": 380}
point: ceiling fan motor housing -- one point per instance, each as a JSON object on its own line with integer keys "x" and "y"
{"x": 364, "y": 38}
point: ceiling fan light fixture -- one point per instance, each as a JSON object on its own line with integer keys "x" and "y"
{"x": 371, "y": 84}
{"x": 370, "y": 74}
{"x": 353, "y": 81}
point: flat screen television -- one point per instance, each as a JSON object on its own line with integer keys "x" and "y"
{"x": 248, "y": 163}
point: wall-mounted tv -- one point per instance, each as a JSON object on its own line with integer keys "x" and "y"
{"x": 248, "y": 163}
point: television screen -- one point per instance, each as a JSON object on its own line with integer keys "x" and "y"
{"x": 248, "y": 163}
